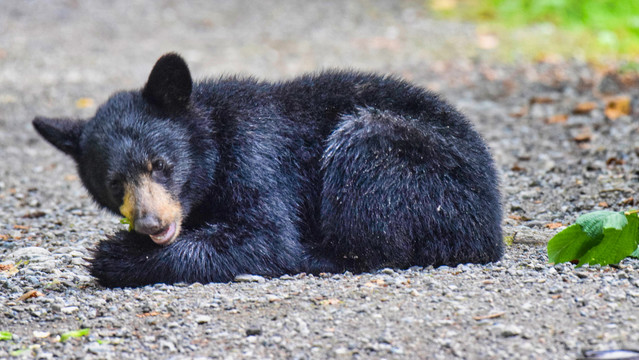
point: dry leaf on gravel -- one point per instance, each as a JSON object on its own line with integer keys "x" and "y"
{"x": 553, "y": 225}
{"x": 617, "y": 106}
{"x": 583, "y": 136}
{"x": 30, "y": 294}
{"x": 614, "y": 161}
{"x": 519, "y": 113}
{"x": 541, "y": 100}
{"x": 557, "y": 119}
{"x": 628, "y": 201}
{"x": 489, "y": 316}
{"x": 584, "y": 108}
{"x": 331, "y": 301}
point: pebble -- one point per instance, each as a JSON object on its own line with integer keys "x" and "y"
{"x": 509, "y": 330}
{"x": 249, "y": 278}
{"x": 69, "y": 309}
{"x": 203, "y": 319}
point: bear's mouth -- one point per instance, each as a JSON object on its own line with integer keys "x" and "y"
{"x": 166, "y": 235}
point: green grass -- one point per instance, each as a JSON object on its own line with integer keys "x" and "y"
{"x": 592, "y": 29}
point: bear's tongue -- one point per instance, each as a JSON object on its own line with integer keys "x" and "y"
{"x": 164, "y": 236}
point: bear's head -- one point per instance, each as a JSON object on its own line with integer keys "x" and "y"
{"x": 140, "y": 155}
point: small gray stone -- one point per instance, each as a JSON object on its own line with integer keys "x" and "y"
{"x": 202, "y": 319}
{"x": 69, "y": 309}
{"x": 253, "y": 331}
{"x": 31, "y": 253}
{"x": 96, "y": 348}
{"x": 510, "y": 331}
{"x": 249, "y": 278}
{"x": 166, "y": 345}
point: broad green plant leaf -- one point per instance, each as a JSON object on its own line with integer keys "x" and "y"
{"x": 616, "y": 244}
{"x": 600, "y": 237}
{"x": 569, "y": 245}
{"x": 593, "y": 223}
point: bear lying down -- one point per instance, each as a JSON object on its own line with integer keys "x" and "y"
{"x": 328, "y": 172}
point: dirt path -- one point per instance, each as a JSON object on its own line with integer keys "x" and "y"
{"x": 64, "y": 58}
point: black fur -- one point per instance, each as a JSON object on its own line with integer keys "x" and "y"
{"x": 325, "y": 173}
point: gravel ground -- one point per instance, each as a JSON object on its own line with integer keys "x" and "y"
{"x": 63, "y": 58}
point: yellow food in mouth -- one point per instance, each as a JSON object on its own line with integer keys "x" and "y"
{"x": 128, "y": 205}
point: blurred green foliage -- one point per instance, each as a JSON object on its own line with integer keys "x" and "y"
{"x": 593, "y": 28}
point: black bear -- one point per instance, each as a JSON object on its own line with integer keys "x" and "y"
{"x": 327, "y": 172}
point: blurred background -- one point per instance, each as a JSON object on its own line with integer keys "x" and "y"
{"x": 87, "y": 44}
{"x": 592, "y": 30}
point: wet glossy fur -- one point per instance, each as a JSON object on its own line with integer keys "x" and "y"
{"x": 327, "y": 172}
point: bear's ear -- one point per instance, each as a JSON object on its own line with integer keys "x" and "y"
{"x": 169, "y": 85}
{"x": 61, "y": 133}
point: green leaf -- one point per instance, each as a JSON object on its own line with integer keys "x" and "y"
{"x": 127, "y": 221}
{"x": 619, "y": 240}
{"x": 74, "y": 334}
{"x": 5, "y": 335}
{"x": 635, "y": 254}
{"x": 569, "y": 244}
{"x": 18, "y": 352}
{"x": 600, "y": 237}
{"x": 593, "y": 223}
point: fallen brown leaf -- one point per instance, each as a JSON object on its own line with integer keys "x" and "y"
{"x": 489, "y": 316}
{"x": 541, "y": 100}
{"x": 30, "y": 294}
{"x": 153, "y": 313}
{"x": 614, "y": 161}
{"x": 34, "y": 215}
{"x": 331, "y": 301}
{"x": 376, "y": 282}
{"x": 603, "y": 204}
{"x": 519, "y": 113}
{"x": 557, "y": 119}
{"x": 584, "y": 107}
{"x": 5, "y": 267}
{"x": 553, "y": 225}
{"x": 617, "y": 106}
{"x": 20, "y": 227}
{"x": 628, "y": 201}
{"x": 584, "y": 136}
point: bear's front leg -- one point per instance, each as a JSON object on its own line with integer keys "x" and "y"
{"x": 215, "y": 253}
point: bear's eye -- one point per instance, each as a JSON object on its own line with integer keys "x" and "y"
{"x": 160, "y": 171}
{"x": 159, "y": 165}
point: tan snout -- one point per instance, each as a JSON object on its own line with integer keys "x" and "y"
{"x": 152, "y": 210}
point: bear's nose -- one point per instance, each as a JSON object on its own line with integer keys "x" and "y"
{"x": 148, "y": 225}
